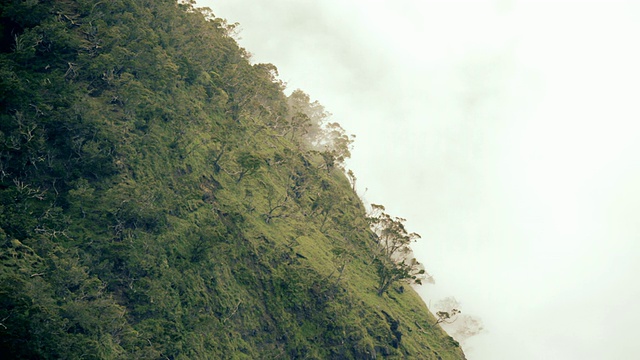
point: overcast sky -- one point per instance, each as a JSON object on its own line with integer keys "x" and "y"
{"x": 508, "y": 134}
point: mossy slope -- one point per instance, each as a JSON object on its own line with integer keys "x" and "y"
{"x": 155, "y": 201}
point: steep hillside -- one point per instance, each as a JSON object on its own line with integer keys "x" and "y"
{"x": 162, "y": 198}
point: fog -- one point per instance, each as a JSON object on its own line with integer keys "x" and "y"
{"x": 506, "y": 132}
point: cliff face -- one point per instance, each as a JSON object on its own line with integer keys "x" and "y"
{"x": 161, "y": 197}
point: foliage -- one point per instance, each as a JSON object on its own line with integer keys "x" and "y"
{"x": 249, "y": 164}
{"x": 447, "y": 317}
{"x": 161, "y": 197}
{"x": 393, "y": 258}
{"x": 461, "y": 327}
{"x": 309, "y": 123}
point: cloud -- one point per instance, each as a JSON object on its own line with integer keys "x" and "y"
{"x": 506, "y": 133}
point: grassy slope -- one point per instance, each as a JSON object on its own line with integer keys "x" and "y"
{"x": 123, "y": 237}
{"x": 315, "y": 250}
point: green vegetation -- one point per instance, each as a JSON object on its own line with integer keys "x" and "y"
{"x": 162, "y": 198}
{"x": 393, "y": 257}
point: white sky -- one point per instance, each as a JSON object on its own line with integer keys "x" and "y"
{"x": 507, "y": 133}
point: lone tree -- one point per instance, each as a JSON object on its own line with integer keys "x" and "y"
{"x": 460, "y": 327}
{"x": 249, "y": 164}
{"x": 393, "y": 257}
{"x": 447, "y": 317}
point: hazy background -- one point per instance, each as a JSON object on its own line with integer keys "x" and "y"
{"x": 506, "y": 132}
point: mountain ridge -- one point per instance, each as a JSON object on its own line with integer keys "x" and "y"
{"x": 161, "y": 197}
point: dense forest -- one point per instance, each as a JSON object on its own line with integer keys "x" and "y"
{"x": 161, "y": 197}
